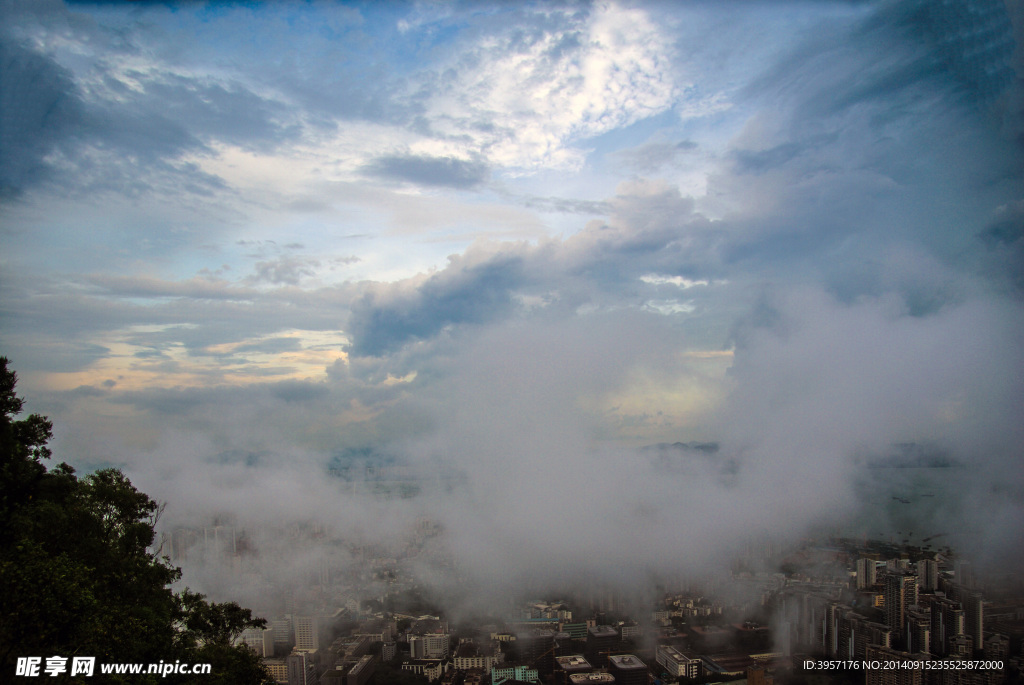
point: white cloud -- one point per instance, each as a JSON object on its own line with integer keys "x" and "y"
{"x": 678, "y": 281}
{"x": 525, "y": 102}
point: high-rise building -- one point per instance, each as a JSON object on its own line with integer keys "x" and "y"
{"x": 866, "y": 573}
{"x": 537, "y": 649}
{"x": 856, "y": 633}
{"x": 961, "y": 646}
{"x": 830, "y": 627}
{"x": 601, "y": 640}
{"x": 307, "y": 632}
{"x": 898, "y": 564}
{"x": 974, "y": 614}
{"x": 900, "y": 593}
{"x": 259, "y": 640}
{"x": 417, "y": 648}
{"x": 301, "y": 668}
{"x": 783, "y": 638}
{"x": 997, "y": 647}
{"x": 963, "y": 573}
{"x": 928, "y": 575}
{"x": 282, "y": 629}
{"x": 891, "y": 676}
{"x": 947, "y": 623}
{"x": 917, "y": 630}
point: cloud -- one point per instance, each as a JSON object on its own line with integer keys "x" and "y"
{"x": 807, "y": 255}
{"x": 285, "y": 270}
{"x": 109, "y": 119}
{"x": 818, "y": 381}
{"x": 524, "y": 97}
{"x": 650, "y": 157}
{"x": 41, "y": 110}
{"x": 429, "y": 171}
{"x": 298, "y": 391}
{"x": 384, "y": 319}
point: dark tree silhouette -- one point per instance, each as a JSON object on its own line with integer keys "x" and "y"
{"x": 77, "y": 577}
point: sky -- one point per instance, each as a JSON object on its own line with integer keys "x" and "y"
{"x": 508, "y": 245}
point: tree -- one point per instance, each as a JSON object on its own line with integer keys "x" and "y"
{"x": 77, "y": 577}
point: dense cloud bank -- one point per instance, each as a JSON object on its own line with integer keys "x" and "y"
{"x": 504, "y": 257}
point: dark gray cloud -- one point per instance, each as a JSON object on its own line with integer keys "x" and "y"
{"x": 113, "y": 136}
{"x": 52, "y": 355}
{"x": 432, "y": 171}
{"x": 210, "y": 110}
{"x": 299, "y": 391}
{"x": 387, "y": 318}
{"x": 40, "y": 109}
{"x": 750, "y": 161}
{"x": 1002, "y": 259}
{"x": 972, "y": 40}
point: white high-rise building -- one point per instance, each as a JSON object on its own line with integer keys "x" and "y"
{"x": 429, "y": 646}
{"x": 307, "y": 632}
{"x": 866, "y": 573}
{"x": 677, "y": 664}
{"x": 259, "y": 640}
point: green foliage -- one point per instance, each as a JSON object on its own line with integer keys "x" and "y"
{"x": 76, "y": 574}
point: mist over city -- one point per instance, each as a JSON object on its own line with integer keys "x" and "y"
{"x": 465, "y": 305}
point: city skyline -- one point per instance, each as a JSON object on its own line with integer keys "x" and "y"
{"x": 509, "y": 247}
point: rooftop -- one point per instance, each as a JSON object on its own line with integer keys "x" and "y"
{"x": 590, "y": 678}
{"x": 626, "y": 662}
{"x": 572, "y": 663}
{"x": 602, "y": 631}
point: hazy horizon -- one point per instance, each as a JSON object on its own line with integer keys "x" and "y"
{"x": 508, "y": 245}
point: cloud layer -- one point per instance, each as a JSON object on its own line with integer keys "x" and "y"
{"x": 507, "y": 247}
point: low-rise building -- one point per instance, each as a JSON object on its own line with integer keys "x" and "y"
{"x": 523, "y": 674}
{"x": 361, "y": 673}
{"x": 566, "y": 666}
{"x": 433, "y": 669}
{"x": 677, "y": 664}
{"x": 627, "y": 669}
{"x": 468, "y": 655}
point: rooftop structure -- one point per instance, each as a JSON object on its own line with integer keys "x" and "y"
{"x": 591, "y": 678}
{"x": 602, "y": 631}
{"x": 574, "y": 663}
{"x": 677, "y": 664}
{"x": 626, "y": 662}
{"x": 362, "y": 671}
{"x": 627, "y": 669}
